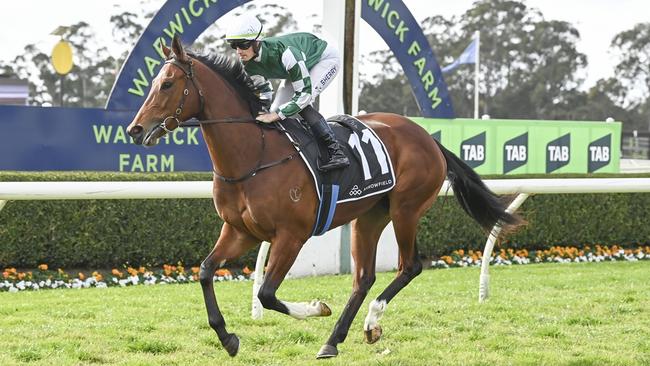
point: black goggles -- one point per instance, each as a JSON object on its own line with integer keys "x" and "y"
{"x": 242, "y": 45}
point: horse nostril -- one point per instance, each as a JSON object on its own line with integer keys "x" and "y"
{"x": 135, "y": 131}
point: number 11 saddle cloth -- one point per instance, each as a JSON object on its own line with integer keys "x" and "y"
{"x": 370, "y": 171}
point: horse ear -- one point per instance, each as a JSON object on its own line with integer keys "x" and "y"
{"x": 177, "y": 47}
{"x": 166, "y": 50}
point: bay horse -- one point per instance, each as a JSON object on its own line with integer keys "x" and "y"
{"x": 255, "y": 178}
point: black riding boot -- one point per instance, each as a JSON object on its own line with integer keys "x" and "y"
{"x": 323, "y": 131}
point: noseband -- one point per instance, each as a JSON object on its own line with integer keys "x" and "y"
{"x": 188, "y": 70}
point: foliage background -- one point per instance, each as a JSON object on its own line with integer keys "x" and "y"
{"x": 109, "y": 233}
{"x": 530, "y": 65}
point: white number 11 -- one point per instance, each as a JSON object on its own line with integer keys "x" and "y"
{"x": 367, "y": 136}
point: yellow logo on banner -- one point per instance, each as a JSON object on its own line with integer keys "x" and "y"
{"x": 62, "y": 57}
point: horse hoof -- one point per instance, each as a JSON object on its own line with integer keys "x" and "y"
{"x": 231, "y": 345}
{"x": 372, "y": 335}
{"x": 327, "y": 351}
{"x": 325, "y": 310}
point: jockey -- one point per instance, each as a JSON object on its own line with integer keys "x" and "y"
{"x": 305, "y": 63}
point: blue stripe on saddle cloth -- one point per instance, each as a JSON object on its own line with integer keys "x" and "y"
{"x": 326, "y": 209}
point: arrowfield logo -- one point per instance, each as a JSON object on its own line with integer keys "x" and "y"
{"x": 473, "y": 150}
{"x": 599, "y": 153}
{"x": 558, "y": 153}
{"x": 515, "y": 153}
{"x": 355, "y": 191}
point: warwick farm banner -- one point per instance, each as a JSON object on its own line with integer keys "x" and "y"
{"x": 54, "y": 138}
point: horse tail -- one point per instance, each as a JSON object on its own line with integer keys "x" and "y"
{"x": 478, "y": 201}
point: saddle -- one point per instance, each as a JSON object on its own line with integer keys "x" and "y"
{"x": 370, "y": 171}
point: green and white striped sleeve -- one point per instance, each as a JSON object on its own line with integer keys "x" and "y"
{"x": 263, "y": 88}
{"x": 294, "y": 62}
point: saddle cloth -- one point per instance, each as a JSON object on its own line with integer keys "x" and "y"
{"x": 370, "y": 171}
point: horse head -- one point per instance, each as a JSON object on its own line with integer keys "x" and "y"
{"x": 171, "y": 99}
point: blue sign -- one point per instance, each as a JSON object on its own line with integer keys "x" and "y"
{"x": 188, "y": 19}
{"x": 35, "y": 139}
{"x": 402, "y": 33}
{"x": 392, "y": 20}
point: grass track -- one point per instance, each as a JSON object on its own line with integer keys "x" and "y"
{"x": 553, "y": 314}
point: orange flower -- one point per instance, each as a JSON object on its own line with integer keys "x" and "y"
{"x": 222, "y": 272}
{"x": 42, "y": 267}
{"x": 5, "y": 274}
{"x": 81, "y": 276}
{"x": 98, "y": 276}
{"x": 142, "y": 269}
{"x": 116, "y": 273}
{"x": 167, "y": 269}
{"x": 246, "y": 271}
{"x": 21, "y": 275}
{"x": 196, "y": 270}
{"x": 132, "y": 271}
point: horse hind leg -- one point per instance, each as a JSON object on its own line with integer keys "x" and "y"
{"x": 284, "y": 251}
{"x": 366, "y": 231}
{"x": 405, "y": 220}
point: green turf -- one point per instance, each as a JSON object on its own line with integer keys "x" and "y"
{"x": 552, "y": 314}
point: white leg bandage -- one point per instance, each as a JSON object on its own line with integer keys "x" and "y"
{"x": 302, "y": 310}
{"x": 375, "y": 311}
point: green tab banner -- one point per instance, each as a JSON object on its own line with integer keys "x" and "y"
{"x": 530, "y": 147}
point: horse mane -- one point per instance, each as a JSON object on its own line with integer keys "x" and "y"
{"x": 232, "y": 70}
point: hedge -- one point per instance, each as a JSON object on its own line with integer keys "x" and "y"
{"x": 107, "y": 233}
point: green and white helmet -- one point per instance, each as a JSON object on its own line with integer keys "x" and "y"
{"x": 244, "y": 28}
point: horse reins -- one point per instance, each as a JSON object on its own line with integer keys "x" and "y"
{"x": 189, "y": 77}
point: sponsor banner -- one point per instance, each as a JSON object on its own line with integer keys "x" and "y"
{"x": 515, "y": 153}
{"x": 530, "y": 147}
{"x": 189, "y": 18}
{"x": 472, "y": 150}
{"x": 599, "y": 153}
{"x": 39, "y": 139}
{"x": 403, "y": 35}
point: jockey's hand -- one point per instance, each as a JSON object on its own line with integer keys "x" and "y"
{"x": 268, "y": 117}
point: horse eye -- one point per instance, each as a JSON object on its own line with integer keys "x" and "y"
{"x": 166, "y": 85}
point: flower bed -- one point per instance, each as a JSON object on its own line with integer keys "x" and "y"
{"x": 460, "y": 258}
{"x": 44, "y": 278}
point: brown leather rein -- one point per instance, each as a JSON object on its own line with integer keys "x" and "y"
{"x": 188, "y": 70}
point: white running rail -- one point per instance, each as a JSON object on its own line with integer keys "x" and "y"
{"x": 174, "y": 189}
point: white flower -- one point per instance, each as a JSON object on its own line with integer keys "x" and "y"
{"x": 134, "y": 280}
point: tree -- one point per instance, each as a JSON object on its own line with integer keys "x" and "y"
{"x": 632, "y": 48}
{"x": 530, "y": 67}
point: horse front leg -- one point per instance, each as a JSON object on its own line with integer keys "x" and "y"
{"x": 230, "y": 245}
{"x": 284, "y": 250}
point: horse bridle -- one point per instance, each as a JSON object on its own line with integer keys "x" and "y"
{"x": 189, "y": 77}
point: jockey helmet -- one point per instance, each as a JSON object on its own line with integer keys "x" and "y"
{"x": 244, "y": 28}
